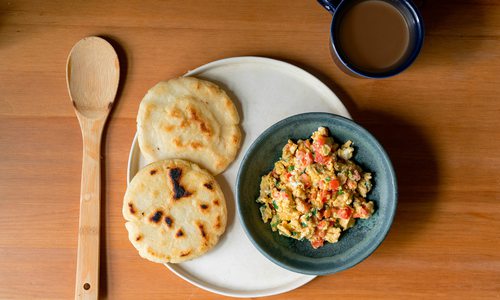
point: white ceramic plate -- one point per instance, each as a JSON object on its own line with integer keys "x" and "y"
{"x": 264, "y": 91}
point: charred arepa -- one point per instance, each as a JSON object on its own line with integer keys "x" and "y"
{"x": 190, "y": 119}
{"x": 175, "y": 211}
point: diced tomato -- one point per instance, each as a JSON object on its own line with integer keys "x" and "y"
{"x": 316, "y": 149}
{"x": 322, "y": 224}
{"x": 284, "y": 194}
{"x": 304, "y": 158}
{"x": 308, "y": 159}
{"x": 288, "y": 175}
{"x": 345, "y": 213}
{"x": 325, "y": 195}
{"x": 320, "y": 159}
{"x": 328, "y": 213}
{"x": 317, "y": 243}
{"x": 320, "y": 140}
{"x": 351, "y": 184}
{"x": 334, "y": 184}
{"x": 305, "y": 179}
{"x": 363, "y": 213}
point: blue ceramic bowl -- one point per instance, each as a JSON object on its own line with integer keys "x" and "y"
{"x": 356, "y": 243}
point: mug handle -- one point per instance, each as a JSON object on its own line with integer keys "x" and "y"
{"x": 330, "y": 5}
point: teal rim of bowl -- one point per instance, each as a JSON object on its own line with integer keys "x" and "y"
{"x": 382, "y": 233}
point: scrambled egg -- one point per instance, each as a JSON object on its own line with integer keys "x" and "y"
{"x": 315, "y": 190}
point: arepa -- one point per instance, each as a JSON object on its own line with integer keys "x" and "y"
{"x": 190, "y": 119}
{"x": 175, "y": 211}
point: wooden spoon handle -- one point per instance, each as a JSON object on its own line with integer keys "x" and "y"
{"x": 87, "y": 268}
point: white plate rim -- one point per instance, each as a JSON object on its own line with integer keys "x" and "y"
{"x": 218, "y": 63}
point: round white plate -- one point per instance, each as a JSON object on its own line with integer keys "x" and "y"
{"x": 264, "y": 91}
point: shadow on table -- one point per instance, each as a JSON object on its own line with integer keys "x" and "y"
{"x": 5, "y": 9}
{"x": 122, "y": 57}
{"x": 416, "y": 167}
{"x": 446, "y": 23}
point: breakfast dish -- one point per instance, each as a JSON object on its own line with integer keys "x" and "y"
{"x": 268, "y": 90}
{"x": 315, "y": 191}
{"x": 192, "y": 119}
{"x": 175, "y": 211}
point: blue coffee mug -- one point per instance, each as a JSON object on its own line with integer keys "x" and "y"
{"x": 408, "y": 10}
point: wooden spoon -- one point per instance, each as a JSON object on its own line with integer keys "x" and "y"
{"x": 92, "y": 74}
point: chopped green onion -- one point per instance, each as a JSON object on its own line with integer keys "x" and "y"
{"x": 314, "y": 211}
{"x": 328, "y": 179}
{"x": 340, "y": 192}
{"x": 290, "y": 168}
{"x": 275, "y": 205}
{"x": 303, "y": 224}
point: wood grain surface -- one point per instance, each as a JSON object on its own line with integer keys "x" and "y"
{"x": 439, "y": 122}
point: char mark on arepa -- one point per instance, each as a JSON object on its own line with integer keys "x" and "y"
{"x": 202, "y": 231}
{"x": 169, "y": 221}
{"x": 217, "y": 223}
{"x": 131, "y": 208}
{"x": 157, "y": 216}
{"x": 209, "y": 185}
{"x": 179, "y": 191}
{"x": 185, "y": 253}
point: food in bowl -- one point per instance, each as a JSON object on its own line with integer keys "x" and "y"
{"x": 315, "y": 191}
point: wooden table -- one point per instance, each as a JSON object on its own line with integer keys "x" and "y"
{"x": 439, "y": 121}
